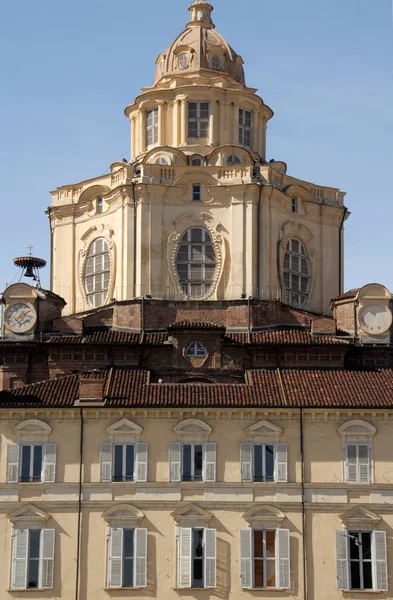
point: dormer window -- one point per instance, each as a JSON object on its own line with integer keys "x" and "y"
{"x": 183, "y": 61}
{"x": 196, "y": 350}
{"x": 232, "y": 160}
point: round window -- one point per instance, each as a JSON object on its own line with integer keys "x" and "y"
{"x": 183, "y": 60}
{"x": 97, "y": 273}
{"x": 216, "y": 62}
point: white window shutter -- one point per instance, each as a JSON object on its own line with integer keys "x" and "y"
{"x": 351, "y": 466}
{"x": 141, "y": 461}
{"x": 209, "y": 463}
{"x": 246, "y": 558}
{"x": 12, "y": 463}
{"x": 246, "y": 462}
{"x": 342, "y": 561}
{"x": 19, "y": 562}
{"x": 115, "y": 558}
{"x": 379, "y": 557}
{"x": 364, "y": 463}
{"x": 210, "y": 558}
{"x": 106, "y": 462}
{"x": 282, "y": 463}
{"x": 47, "y": 558}
{"x": 184, "y": 570}
{"x": 283, "y": 559}
{"x": 175, "y": 461}
{"x": 140, "y": 562}
{"x": 49, "y": 463}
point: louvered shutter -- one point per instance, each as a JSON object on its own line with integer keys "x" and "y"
{"x": 282, "y": 463}
{"x": 184, "y": 570}
{"x": 351, "y": 466}
{"x": 342, "y": 562}
{"x": 175, "y": 461}
{"x": 209, "y": 463}
{"x": 379, "y": 558}
{"x": 210, "y": 558}
{"x": 47, "y": 558}
{"x": 246, "y": 462}
{"x": 49, "y": 463}
{"x": 106, "y": 462}
{"x": 364, "y": 463}
{"x": 115, "y": 558}
{"x": 141, "y": 459}
{"x": 246, "y": 558}
{"x": 140, "y": 578}
{"x": 12, "y": 463}
{"x": 283, "y": 562}
{"x": 19, "y": 563}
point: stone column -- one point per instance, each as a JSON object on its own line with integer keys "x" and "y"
{"x": 183, "y": 120}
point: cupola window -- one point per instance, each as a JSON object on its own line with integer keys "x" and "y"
{"x": 196, "y": 262}
{"x": 296, "y": 274}
{"x": 232, "y": 160}
{"x": 152, "y": 127}
{"x": 97, "y": 273}
{"x": 196, "y": 192}
{"x": 198, "y": 119}
{"x": 245, "y": 127}
{"x": 161, "y": 160}
{"x": 183, "y": 61}
{"x": 216, "y": 62}
{"x": 197, "y": 161}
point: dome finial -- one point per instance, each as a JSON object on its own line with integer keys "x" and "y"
{"x": 201, "y": 14}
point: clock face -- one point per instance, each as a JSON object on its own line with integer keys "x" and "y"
{"x": 375, "y": 319}
{"x": 20, "y": 317}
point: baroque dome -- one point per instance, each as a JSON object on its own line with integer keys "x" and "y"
{"x": 199, "y": 50}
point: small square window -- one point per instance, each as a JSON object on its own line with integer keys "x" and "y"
{"x": 196, "y": 192}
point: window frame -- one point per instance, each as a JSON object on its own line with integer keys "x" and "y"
{"x": 139, "y": 560}
{"x": 100, "y": 205}
{"x": 232, "y": 160}
{"x": 263, "y": 478}
{"x": 31, "y": 478}
{"x": 296, "y": 298}
{"x": 192, "y": 477}
{"x": 196, "y": 192}
{"x": 123, "y": 477}
{"x": 359, "y": 464}
{"x": 45, "y": 558}
{"x": 192, "y": 350}
{"x": 101, "y": 276}
{"x": 294, "y": 205}
{"x": 151, "y": 129}
{"x": 360, "y": 560}
{"x": 189, "y": 284}
{"x": 201, "y": 123}
{"x": 245, "y": 131}
{"x": 264, "y": 559}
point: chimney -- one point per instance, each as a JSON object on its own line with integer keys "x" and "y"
{"x": 91, "y": 388}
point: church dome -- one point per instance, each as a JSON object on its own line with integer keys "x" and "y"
{"x": 199, "y": 50}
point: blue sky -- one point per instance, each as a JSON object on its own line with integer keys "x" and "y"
{"x": 68, "y": 69}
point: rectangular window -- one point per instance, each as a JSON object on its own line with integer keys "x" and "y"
{"x": 265, "y": 559}
{"x": 33, "y": 566}
{"x": 33, "y": 559}
{"x": 127, "y": 558}
{"x": 264, "y": 462}
{"x": 264, "y": 456}
{"x": 197, "y": 558}
{"x": 99, "y": 205}
{"x": 358, "y": 463}
{"x": 198, "y": 119}
{"x": 245, "y": 127}
{"x": 294, "y": 205}
{"x": 192, "y": 462}
{"x": 31, "y": 464}
{"x": 123, "y": 462}
{"x": 196, "y": 192}
{"x": 360, "y": 560}
{"x": 152, "y": 127}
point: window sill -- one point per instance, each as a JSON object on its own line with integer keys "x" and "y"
{"x": 193, "y": 589}
{"x": 126, "y": 589}
{"x": 258, "y": 589}
{"x": 363, "y": 592}
{"x": 28, "y": 590}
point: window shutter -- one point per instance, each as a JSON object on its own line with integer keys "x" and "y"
{"x": 106, "y": 462}
{"x": 246, "y": 558}
{"x": 342, "y": 566}
{"x": 141, "y": 457}
{"x": 49, "y": 463}
{"x": 364, "y": 463}
{"x": 351, "y": 466}
{"x": 209, "y": 463}
{"x": 379, "y": 557}
{"x": 115, "y": 558}
{"x": 184, "y": 571}
{"x": 19, "y": 563}
{"x": 47, "y": 558}
{"x": 246, "y": 462}
{"x": 282, "y": 463}
{"x": 140, "y": 558}
{"x": 12, "y": 463}
{"x": 175, "y": 461}
{"x": 283, "y": 564}
{"x": 210, "y": 558}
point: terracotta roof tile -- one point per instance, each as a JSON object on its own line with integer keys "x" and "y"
{"x": 111, "y": 337}
{"x": 285, "y": 337}
{"x": 347, "y": 295}
{"x": 196, "y": 325}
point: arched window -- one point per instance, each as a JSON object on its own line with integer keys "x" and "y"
{"x": 161, "y": 160}
{"x": 97, "y": 272}
{"x": 232, "y": 160}
{"x": 296, "y": 273}
{"x": 197, "y": 161}
{"x": 196, "y": 262}
{"x": 196, "y": 350}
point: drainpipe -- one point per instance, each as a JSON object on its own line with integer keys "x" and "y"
{"x": 340, "y": 245}
{"x": 305, "y": 593}
{"x": 249, "y": 319}
{"x": 135, "y": 228}
{"x": 78, "y": 542}
{"x": 259, "y": 238}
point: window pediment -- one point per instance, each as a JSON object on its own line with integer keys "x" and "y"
{"x": 192, "y": 515}
{"x": 357, "y": 430}
{"x": 32, "y": 430}
{"x": 28, "y": 516}
{"x": 192, "y": 430}
{"x": 264, "y": 516}
{"x": 263, "y": 431}
{"x": 124, "y": 431}
{"x": 358, "y": 518}
{"x": 123, "y": 515}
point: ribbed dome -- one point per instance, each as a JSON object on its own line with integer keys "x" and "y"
{"x": 199, "y": 50}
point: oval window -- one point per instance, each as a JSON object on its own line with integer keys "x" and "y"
{"x": 183, "y": 61}
{"x": 232, "y": 160}
{"x": 97, "y": 273}
{"x": 296, "y": 274}
{"x": 196, "y": 263}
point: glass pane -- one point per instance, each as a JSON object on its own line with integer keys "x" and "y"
{"x": 248, "y": 118}
{"x": 25, "y": 471}
{"x": 258, "y": 544}
{"x": 192, "y": 110}
{"x": 271, "y": 573}
{"x": 270, "y": 544}
{"x": 247, "y": 138}
{"x": 182, "y": 271}
{"x": 295, "y": 246}
{"x": 204, "y": 129}
{"x": 363, "y": 453}
{"x": 200, "y": 351}
{"x": 304, "y": 284}
{"x": 186, "y": 462}
{"x": 366, "y": 546}
{"x": 198, "y": 573}
{"x": 196, "y": 273}
{"x": 204, "y": 110}
{"x": 209, "y": 273}
{"x": 303, "y": 266}
{"x": 34, "y": 553}
{"x": 258, "y": 573}
{"x": 196, "y": 252}
{"x": 192, "y": 129}
{"x": 295, "y": 283}
{"x": 118, "y": 467}
{"x": 35, "y": 535}
{"x": 33, "y": 574}
{"x": 198, "y": 461}
{"x": 295, "y": 263}
{"x": 355, "y": 575}
{"x": 354, "y": 545}
{"x": 196, "y": 234}
{"x": 367, "y": 576}
{"x": 198, "y": 543}
{"x": 258, "y": 454}
{"x": 130, "y": 452}
{"x": 352, "y": 452}
{"x": 128, "y": 548}
{"x": 37, "y": 462}
{"x": 269, "y": 463}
